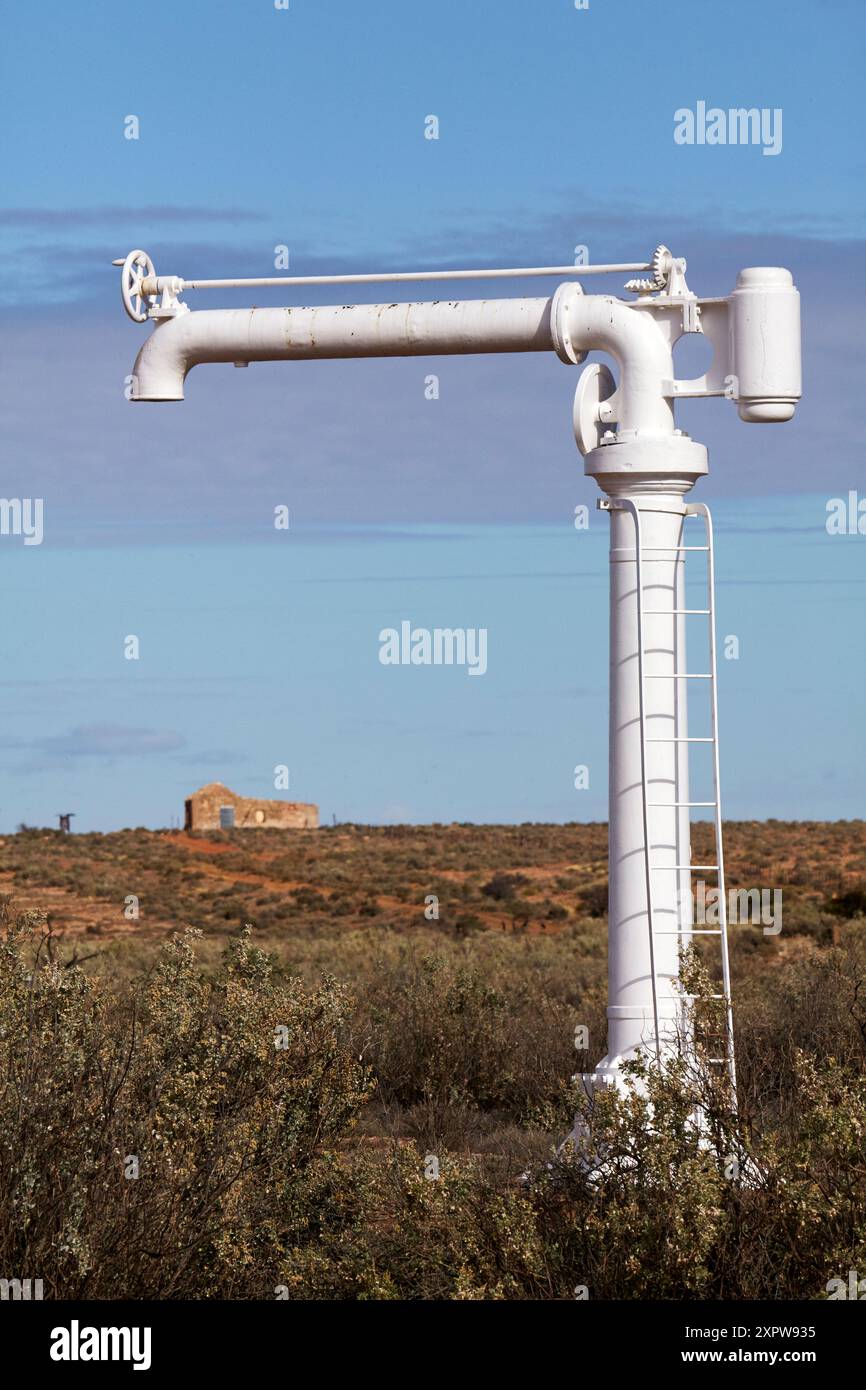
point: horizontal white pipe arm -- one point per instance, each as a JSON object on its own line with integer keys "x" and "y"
{"x": 359, "y": 330}
{"x": 570, "y": 324}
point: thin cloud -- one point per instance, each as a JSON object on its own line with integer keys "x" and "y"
{"x": 211, "y": 757}
{"x": 97, "y": 216}
{"x": 111, "y": 741}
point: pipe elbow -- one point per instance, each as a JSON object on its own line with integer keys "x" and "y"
{"x": 162, "y": 363}
{"x": 631, "y": 335}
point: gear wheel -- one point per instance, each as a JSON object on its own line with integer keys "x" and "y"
{"x": 661, "y": 263}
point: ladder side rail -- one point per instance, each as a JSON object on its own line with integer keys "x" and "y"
{"x": 702, "y": 510}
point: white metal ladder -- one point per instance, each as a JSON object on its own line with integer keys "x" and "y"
{"x": 700, "y": 510}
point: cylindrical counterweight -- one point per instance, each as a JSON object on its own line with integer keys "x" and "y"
{"x": 765, "y": 344}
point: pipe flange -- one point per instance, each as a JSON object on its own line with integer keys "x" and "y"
{"x": 595, "y": 387}
{"x": 664, "y": 462}
{"x": 559, "y": 321}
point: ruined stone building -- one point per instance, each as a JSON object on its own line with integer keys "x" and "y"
{"x": 214, "y": 807}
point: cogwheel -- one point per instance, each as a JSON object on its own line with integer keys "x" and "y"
{"x": 661, "y": 269}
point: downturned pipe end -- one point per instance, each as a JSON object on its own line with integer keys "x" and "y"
{"x": 138, "y": 396}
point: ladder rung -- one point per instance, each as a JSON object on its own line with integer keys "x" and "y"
{"x": 704, "y": 996}
{"x": 690, "y": 931}
{"x": 674, "y": 547}
{"x": 681, "y": 803}
{"x": 654, "y": 867}
{"x": 663, "y": 612}
{"x": 681, "y": 739}
{"x": 682, "y": 676}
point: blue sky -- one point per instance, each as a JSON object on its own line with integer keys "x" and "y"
{"x": 261, "y": 127}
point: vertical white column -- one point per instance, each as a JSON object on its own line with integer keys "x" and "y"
{"x": 630, "y": 993}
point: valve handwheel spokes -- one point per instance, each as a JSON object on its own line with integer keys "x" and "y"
{"x": 136, "y": 266}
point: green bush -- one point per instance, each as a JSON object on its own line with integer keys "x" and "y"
{"x": 647, "y": 1203}
{"x": 264, "y": 1168}
{"x": 181, "y": 1076}
{"x": 442, "y": 1037}
{"x": 668, "y": 1194}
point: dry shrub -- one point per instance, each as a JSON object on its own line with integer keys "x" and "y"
{"x": 176, "y": 1077}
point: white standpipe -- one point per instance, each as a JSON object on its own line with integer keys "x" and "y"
{"x": 644, "y": 467}
{"x": 635, "y": 1016}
